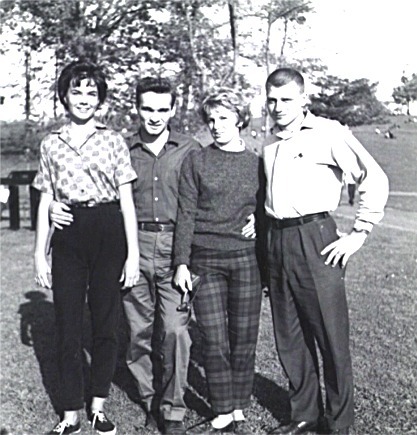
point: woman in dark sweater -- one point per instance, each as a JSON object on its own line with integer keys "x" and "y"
{"x": 219, "y": 188}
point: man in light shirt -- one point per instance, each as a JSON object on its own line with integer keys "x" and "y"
{"x": 305, "y": 160}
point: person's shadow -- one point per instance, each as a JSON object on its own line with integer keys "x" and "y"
{"x": 37, "y": 329}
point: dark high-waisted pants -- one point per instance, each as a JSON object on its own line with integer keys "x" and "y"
{"x": 87, "y": 262}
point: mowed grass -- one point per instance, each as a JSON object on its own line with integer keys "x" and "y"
{"x": 381, "y": 284}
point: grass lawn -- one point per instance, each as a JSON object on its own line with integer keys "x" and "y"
{"x": 381, "y": 284}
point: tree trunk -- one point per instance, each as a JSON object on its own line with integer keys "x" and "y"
{"x": 27, "y": 84}
{"x": 233, "y": 34}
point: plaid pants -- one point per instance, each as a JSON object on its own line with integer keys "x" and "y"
{"x": 227, "y": 309}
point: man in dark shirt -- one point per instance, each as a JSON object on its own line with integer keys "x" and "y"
{"x": 157, "y": 154}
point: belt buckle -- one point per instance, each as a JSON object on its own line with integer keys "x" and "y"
{"x": 161, "y": 227}
{"x": 91, "y": 203}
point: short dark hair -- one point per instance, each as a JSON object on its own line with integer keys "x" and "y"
{"x": 76, "y": 71}
{"x": 230, "y": 99}
{"x": 283, "y": 76}
{"x": 158, "y": 85}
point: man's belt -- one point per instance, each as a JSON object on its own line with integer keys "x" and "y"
{"x": 156, "y": 227}
{"x": 292, "y": 222}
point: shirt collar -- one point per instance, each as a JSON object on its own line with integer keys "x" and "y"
{"x": 308, "y": 122}
{"x": 135, "y": 140}
{"x": 63, "y": 129}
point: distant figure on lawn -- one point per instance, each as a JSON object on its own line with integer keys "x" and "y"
{"x": 87, "y": 167}
{"x": 305, "y": 159}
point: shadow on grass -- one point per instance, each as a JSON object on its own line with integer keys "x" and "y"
{"x": 196, "y": 396}
{"x": 37, "y": 330}
{"x": 272, "y": 397}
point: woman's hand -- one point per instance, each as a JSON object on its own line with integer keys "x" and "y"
{"x": 130, "y": 274}
{"x": 59, "y": 215}
{"x": 249, "y": 229}
{"x": 43, "y": 271}
{"x": 182, "y": 278}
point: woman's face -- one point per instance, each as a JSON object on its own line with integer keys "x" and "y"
{"x": 83, "y": 100}
{"x": 223, "y": 124}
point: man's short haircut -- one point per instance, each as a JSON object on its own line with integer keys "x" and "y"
{"x": 230, "y": 99}
{"x": 158, "y": 85}
{"x": 283, "y": 76}
{"x": 76, "y": 71}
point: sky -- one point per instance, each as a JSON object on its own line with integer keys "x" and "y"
{"x": 372, "y": 39}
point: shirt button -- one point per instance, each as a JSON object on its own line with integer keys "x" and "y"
{"x": 156, "y": 219}
{"x": 156, "y": 198}
{"x": 156, "y": 178}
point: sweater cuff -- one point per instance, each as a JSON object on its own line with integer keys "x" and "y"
{"x": 179, "y": 260}
{"x": 362, "y": 225}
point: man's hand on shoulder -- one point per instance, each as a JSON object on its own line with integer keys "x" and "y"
{"x": 342, "y": 249}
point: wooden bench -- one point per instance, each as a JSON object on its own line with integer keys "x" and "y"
{"x": 14, "y": 180}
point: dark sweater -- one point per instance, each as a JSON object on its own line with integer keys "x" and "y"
{"x": 217, "y": 192}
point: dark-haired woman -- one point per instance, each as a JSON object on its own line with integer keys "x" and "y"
{"x": 87, "y": 168}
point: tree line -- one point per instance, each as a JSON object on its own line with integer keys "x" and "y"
{"x": 198, "y": 43}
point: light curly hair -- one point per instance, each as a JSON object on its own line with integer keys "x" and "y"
{"x": 230, "y": 99}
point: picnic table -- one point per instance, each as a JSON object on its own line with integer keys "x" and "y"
{"x": 14, "y": 180}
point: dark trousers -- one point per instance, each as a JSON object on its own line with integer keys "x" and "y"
{"x": 227, "y": 309}
{"x": 158, "y": 329}
{"x": 309, "y": 306}
{"x": 87, "y": 261}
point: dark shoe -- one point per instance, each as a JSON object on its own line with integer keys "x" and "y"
{"x": 242, "y": 427}
{"x": 174, "y": 427}
{"x": 295, "y": 427}
{"x": 64, "y": 428}
{"x": 151, "y": 422}
{"x": 101, "y": 423}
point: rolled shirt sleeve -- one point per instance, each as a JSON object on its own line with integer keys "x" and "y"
{"x": 124, "y": 172}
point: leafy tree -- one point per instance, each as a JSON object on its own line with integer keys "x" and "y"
{"x": 350, "y": 102}
{"x": 407, "y": 92}
{"x": 162, "y": 37}
{"x": 105, "y": 31}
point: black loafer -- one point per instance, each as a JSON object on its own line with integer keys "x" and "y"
{"x": 174, "y": 427}
{"x": 151, "y": 422}
{"x": 295, "y": 428}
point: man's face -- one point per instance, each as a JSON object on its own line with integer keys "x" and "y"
{"x": 285, "y": 104}
{"x": 155, "y": 112}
